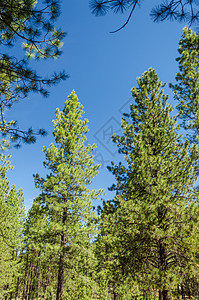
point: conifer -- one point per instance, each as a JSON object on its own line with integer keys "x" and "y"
{"x": 66, "y": 200}
{"x": 150, "y": 229}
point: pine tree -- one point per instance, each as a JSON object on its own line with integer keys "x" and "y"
{"x": 66, "y": 200}
{"x": 150, "y": 228}
{"x": 186, "y": 90}
{"x": 11, "y": 229}
{"x": 32, "y": 24}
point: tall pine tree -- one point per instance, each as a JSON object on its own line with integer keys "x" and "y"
{"x": 149, "y": 231}
{"x": 66, "y": 200}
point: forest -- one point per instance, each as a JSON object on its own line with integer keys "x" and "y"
{"x": 143, "y": 243}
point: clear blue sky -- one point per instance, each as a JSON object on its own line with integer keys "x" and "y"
{"x": 103, "y": 68}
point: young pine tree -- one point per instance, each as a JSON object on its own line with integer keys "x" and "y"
{"x": 66, "y": 200}
{"x": 149, "y": 231}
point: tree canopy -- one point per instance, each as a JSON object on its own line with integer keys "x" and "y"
{"x": 32, "y": 24}
{"x": 144, "y": 242}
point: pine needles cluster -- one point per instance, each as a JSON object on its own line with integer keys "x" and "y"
{"x": 32, "y": 24}
{"x": 179, "y": 10}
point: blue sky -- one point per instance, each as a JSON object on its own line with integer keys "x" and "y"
{"x": 103, "y": 68}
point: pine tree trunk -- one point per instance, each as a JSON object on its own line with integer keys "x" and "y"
{"x": 182, "y": 291}
{"x": 36, "y": 275}
{"x": 30, "y": 282}
{"x": 60, "y": 277}
{"x": 163, "y": 295}
{"x": 38, "y": 281}
{"x": 25, "y": 279}
{"x": 61, "y": 261}
{"x": 17, "y": 289}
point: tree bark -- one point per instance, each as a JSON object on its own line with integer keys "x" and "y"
{"x": 25, "y": 279}
{"x": 163, "y": 295}
{"x": 17, "y": 290}
{"x": 36, "y": 276}
{"x": 60, "y": 283}
{"x": 60, "y": 276}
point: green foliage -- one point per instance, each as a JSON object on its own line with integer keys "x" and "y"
{"x": 149, "y": 231}
{"x": 186, "y": 91}
{"x": 147, "y": 243}
{"x": 61, "y": 223}
{"x": 32, "y": 23}
{"x": 11, "y": 229}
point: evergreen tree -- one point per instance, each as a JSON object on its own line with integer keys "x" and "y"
{"x": 186, "y": 90}
{"x": 11, "y": 229}
{"x": 66, "y": 202}
{"x": 32, "y": 23}
{"x": 149, "y": 231}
